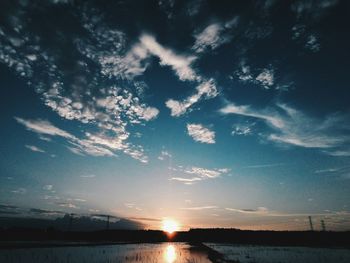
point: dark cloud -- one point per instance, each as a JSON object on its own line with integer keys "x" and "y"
{"x": 145, "y": 219}
{"x": 44, "y": 212}
{"x": 8, "y": 206}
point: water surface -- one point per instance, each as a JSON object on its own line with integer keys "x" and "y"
{"x": 274, "y": 254}
{"x": 162, "y": 252}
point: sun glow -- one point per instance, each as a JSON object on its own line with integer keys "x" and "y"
{"x": 170, "y": 254}
{"x": 170, "y": 226}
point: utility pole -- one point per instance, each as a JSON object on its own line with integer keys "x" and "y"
{"x": 311, "y": 225}
{"x": 323, "y": 225}
{"x": 104, "y": 217}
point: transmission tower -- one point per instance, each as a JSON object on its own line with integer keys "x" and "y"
{"x": 311, "y": 225}
{"x": 323, "y": 225}
{"x": 107, "y": 217}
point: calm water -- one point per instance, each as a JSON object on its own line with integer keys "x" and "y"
{"x": 174, "y": 252}
{"x": 269, "y": 254}
{"x": 164, "y": 252}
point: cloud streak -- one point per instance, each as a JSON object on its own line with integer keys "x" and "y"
{"x": 214, "y": 35}
{"x": 293, "y": 127}
{"x": 258, "y": 211}
{"x": 180, "y": 64}
{"x": 198, "y": 174}
{"x": 199, "y": 208}
{"x": 93, "y": 144}
{"x": 34, "y": 148}
{"x": 206, "y": 90}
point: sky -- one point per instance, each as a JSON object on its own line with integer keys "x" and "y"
{"x": 212, "y": 113}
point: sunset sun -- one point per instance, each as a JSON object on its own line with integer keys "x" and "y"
{"x": 170, "y": 226}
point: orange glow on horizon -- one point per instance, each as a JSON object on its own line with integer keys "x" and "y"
{"x": 170, "y": 226}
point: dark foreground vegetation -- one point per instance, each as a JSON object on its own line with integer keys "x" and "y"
{"x": 26, "y": 237}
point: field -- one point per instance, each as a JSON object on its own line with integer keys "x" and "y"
{"x": 161, "y": 252}
{"x": 169, "y": 252}
{"x": 273, "y": 254}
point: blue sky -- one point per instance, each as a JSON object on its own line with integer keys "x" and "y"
{"x": 230, "y": 114}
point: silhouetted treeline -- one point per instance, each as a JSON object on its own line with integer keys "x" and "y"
{"x": 69, "y": 223}
{"x": 28, "y": 234}
{"x": 277, "y": 238}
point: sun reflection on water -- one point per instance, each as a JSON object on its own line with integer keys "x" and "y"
{"x": 170, "y": 254}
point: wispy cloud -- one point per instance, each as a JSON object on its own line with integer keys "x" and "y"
{"x": 145, "y": 219}
{"x": 206, "y": 90}
{"x": 163, "y": 155}
{"x": 264, "y": 77}
{"x": 206, "y": 173}
{"x": 167, "y": 6}
{"x": 341, "y": 153}
{"x": 193, "y": 7}
{"x": 6, "y": 206}
{"x": 340, "y": 172}
{"x": 48, "y": 187}
{"x": 214, "y": 35}
{"x": 38, "y": 211}
{"x": 34, "y": 148}
{"x": 93, "y": 144}
{"x": 273, "y": 119}
{"x": 186, "y": 180}
{"x": 259, "y": 210}
{"x": 312, "y": 43}
{"x": 310, "y": 12}
{"x": 198, "y": 174}
{"x": 129, "y": 205}
{"x": 269, "y": 165}
{"x": 77, "y": 200}
{"x": 88, "y": 176}
{"x": 99, "y": 103}
{"x": 309, "y": 40}
{"x": 242, "y": 128}
{"x": 200, "y": 133}
{"x": 133, "y": 206}
{"x": 47, "y": 139}
{"x": 180, "y": 64}
{"x": 199, "y": 208}
{"x": 87, "y": 95}
{"x": 111, "y": 113}
{"x": 265, "y": 212}
{"x": 20, "y": 191}
{"x": 67, "y": 205}
{"x": 43, "y": 127}
{"x": 312, "y": 9}
{"x": 9, "y": 209}
{"x": 135, "y": 61}
{"x": 296, "y": 128}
